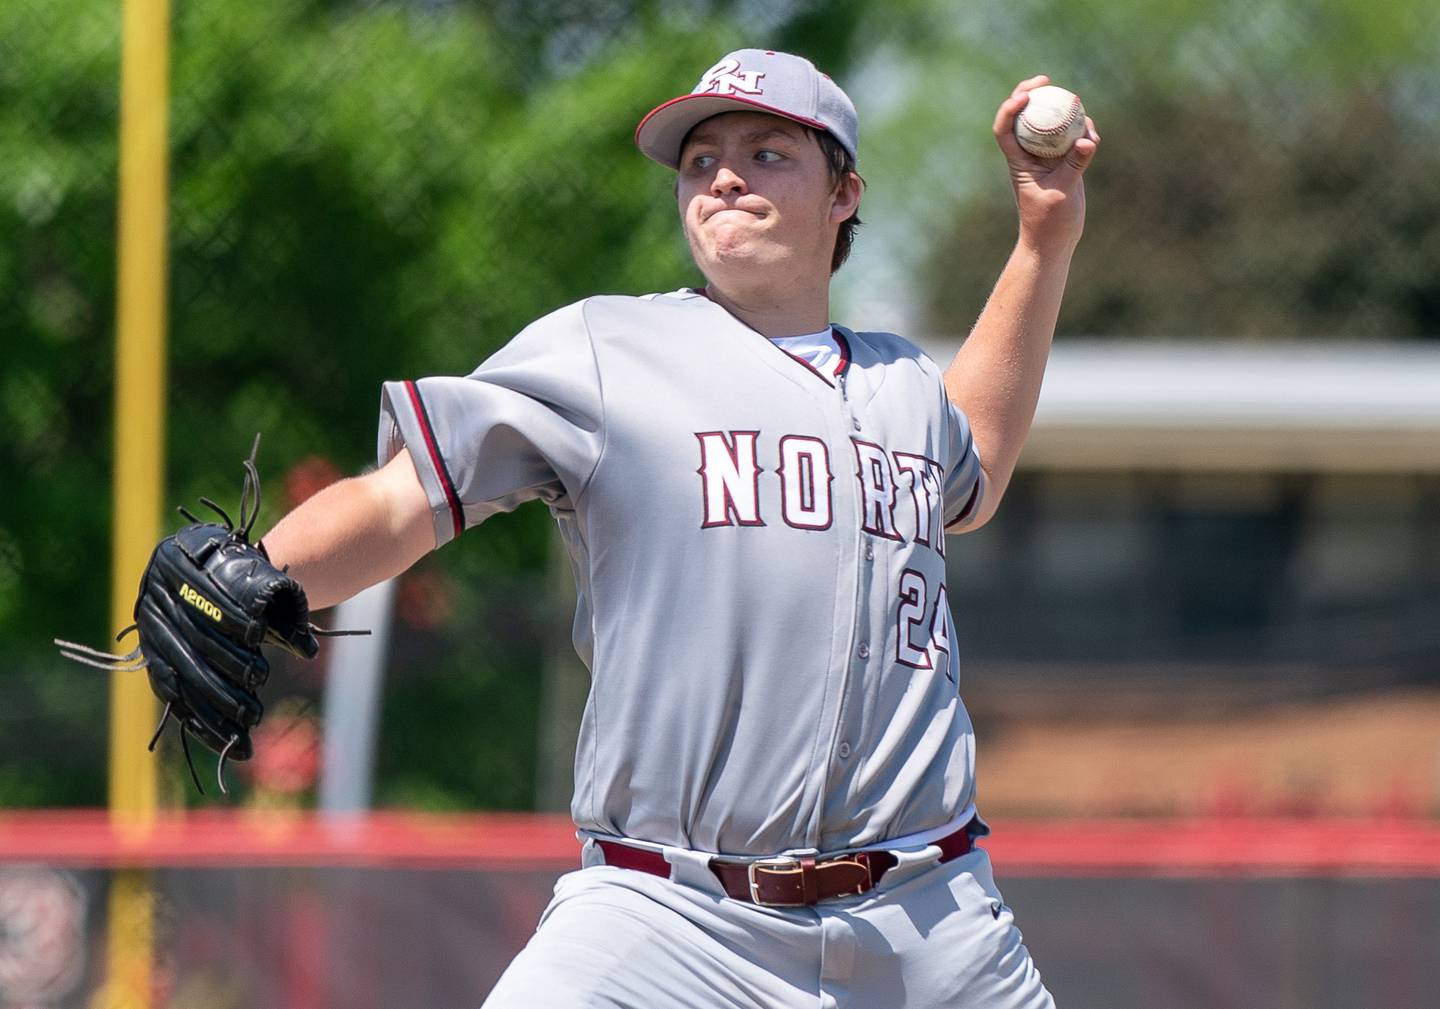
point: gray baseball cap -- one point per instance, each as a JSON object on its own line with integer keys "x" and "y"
{"x": 759, "y": 80}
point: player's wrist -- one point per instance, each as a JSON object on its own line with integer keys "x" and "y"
{"x": 1046, "y": 248}
{"x": 1050, "y": 221}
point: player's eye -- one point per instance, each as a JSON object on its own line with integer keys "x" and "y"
{"x": 702, "y": 162}
{"x": 768, "y": 156}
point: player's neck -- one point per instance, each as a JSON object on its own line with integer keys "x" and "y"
{"x": 775, "y": 313}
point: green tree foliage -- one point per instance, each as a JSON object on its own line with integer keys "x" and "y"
{"x": 57, "y": 216}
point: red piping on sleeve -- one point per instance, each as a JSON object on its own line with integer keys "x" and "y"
{"x": 448, "y": 485}
{"x": 969, "y": 507}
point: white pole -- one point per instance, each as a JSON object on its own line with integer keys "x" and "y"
{"x": 355, "y": 674}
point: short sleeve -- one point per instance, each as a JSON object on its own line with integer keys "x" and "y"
{"x": 964, "y": 480}
{"x": 527, "y": 424}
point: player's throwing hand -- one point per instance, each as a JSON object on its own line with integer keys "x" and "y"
{"x": 1050, "y": 193}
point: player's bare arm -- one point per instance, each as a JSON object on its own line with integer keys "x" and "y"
{"x": 355, "y": 533}
{"x": 995, "y": 377}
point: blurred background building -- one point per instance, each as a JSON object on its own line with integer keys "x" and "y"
{"x": 1215, "y": 589}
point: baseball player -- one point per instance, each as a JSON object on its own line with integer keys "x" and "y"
{"x": 774, "y": 778}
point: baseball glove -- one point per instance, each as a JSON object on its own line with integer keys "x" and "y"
{"x": 208, "y": 600}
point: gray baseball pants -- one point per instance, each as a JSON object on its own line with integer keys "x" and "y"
{"x": 929, "y": 935}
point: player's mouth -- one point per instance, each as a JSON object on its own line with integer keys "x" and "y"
{"x": 718, "y": 210}
{"x": 740, "y": 202}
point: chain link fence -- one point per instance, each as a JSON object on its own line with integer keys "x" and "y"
{"x": 313, "y": 937}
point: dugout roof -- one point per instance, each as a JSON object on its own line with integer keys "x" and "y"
{"x": 1194, "y": 406}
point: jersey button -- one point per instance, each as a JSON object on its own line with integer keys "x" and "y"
{"x": 855, "y": 421}
{"x": 843, "y": 749}
{"x": 864, "y": 650}
{"x": 869, "y": 551}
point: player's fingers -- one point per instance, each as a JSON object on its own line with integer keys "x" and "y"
{"x": 1082, "y": 152}
{"x": 1010, "y": 107}
{"x": 1005, "y": 115}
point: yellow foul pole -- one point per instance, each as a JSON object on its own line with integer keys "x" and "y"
{"x": 138, "y": 472}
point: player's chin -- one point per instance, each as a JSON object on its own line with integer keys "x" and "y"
{"x": 722, "y": 247}
{"x": 748, "y": 259}
{"x": 734, "y": 249}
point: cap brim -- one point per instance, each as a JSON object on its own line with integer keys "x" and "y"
{"x": 664, "y": 127}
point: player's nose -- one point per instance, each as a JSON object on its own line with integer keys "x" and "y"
{"x": 727, "y": 180}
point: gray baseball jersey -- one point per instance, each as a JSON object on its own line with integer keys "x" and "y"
{"x": 759, "y": 556}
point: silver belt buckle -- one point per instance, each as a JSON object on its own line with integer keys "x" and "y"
{"x": 776, "y": 863}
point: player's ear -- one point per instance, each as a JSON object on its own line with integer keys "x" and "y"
{"x": 846, "y": 197}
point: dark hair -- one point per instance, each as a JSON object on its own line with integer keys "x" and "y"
{"x": 841, "y": 165}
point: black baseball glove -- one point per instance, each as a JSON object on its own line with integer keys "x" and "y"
{"x": 208, "y": 600}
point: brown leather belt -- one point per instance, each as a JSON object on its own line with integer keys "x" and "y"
{"x": 785, "y": 881}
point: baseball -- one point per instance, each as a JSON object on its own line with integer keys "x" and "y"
{"x": 1050, "y": 122}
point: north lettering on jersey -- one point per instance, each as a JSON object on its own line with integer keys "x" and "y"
{"x": 730, "y": 475}
{"x": 927, "y": 477}
{"x": 726, "y": 78}
{"x": 804, "y": 501}
{"x": 732, "y": 493}
{"x": 877, "y": 489}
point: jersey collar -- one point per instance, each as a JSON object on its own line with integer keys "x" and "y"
{"x": 840, "y": 369}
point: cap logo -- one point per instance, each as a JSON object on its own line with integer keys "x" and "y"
{"x": 726, "y": 78}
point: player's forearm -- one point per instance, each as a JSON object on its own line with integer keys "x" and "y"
{"x": 355, "y": 533}
{"x": 996, "y": 375}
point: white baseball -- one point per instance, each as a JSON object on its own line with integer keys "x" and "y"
{"x": 1050, "y": 122}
